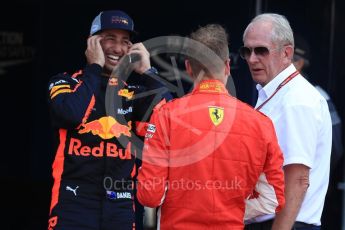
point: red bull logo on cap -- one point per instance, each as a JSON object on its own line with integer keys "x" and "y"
{"x": 107, "y": 128}
{"x": 120, "y": 20}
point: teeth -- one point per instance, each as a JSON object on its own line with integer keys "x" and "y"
{"x": 113, "y": 57}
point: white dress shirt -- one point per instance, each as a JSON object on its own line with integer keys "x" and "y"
{"x": 304, "y": 129}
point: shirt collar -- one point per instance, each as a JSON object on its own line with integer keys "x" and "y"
{"x": 210, "y": 86}
{"x": 271, "y": 86}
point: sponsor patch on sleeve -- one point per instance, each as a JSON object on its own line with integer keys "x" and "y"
{"x": 151, "y": 128}
{"x": 148, "y": 135}
{"x": 59, "y": 82}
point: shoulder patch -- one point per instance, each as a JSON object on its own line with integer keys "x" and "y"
{"x": 58, "y": 82}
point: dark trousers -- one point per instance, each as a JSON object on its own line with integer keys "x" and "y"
{"x": 86, "y": 208}
{"x": 303, "y": 226}
{"x": 267, "y": 225}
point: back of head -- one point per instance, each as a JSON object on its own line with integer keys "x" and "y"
{"x": 215, "y": 38}
{"x": 281, "y": 30}
{"x": 112, "y": 19}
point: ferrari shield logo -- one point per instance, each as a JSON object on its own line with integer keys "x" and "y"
{"x": 216, "y": 114}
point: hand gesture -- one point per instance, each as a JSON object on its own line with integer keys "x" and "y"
{"x": 144, "y": 63}
{"x": 94, "y": 52}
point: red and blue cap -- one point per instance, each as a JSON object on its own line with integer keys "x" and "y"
{"x": 112, "y": 19}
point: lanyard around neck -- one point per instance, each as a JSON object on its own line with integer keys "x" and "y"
{"x": 289, "y": 78}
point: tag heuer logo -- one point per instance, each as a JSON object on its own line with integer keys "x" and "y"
{"x": 151, "y": 128}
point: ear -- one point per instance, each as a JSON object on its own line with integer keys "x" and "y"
{"x": 288, "y": 52}
{"x": 188, "y": 68}
{"x": 227, "y": 67}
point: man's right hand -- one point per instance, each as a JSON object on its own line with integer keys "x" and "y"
{"x": 94, "y": 52}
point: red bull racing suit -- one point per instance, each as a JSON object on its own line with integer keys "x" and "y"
{"x": 95, "y": 118}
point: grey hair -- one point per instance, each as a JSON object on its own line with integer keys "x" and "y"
{"x": 281, "y": 29}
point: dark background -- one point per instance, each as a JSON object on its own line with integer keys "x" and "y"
{"x": 40, "y": 39}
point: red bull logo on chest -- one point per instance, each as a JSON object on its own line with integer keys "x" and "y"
{"x": 77, "y": 148}
{"x": 106, "y": 128}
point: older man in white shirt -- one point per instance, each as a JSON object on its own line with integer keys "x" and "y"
{"x": 301, "y": 119}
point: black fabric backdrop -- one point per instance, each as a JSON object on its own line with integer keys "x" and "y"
{"x": 40, "y": 39}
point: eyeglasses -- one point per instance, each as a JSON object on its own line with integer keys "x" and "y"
{"x": 262, "y": 51}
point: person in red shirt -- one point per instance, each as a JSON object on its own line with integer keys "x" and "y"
{"x": 204, "y": 153}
